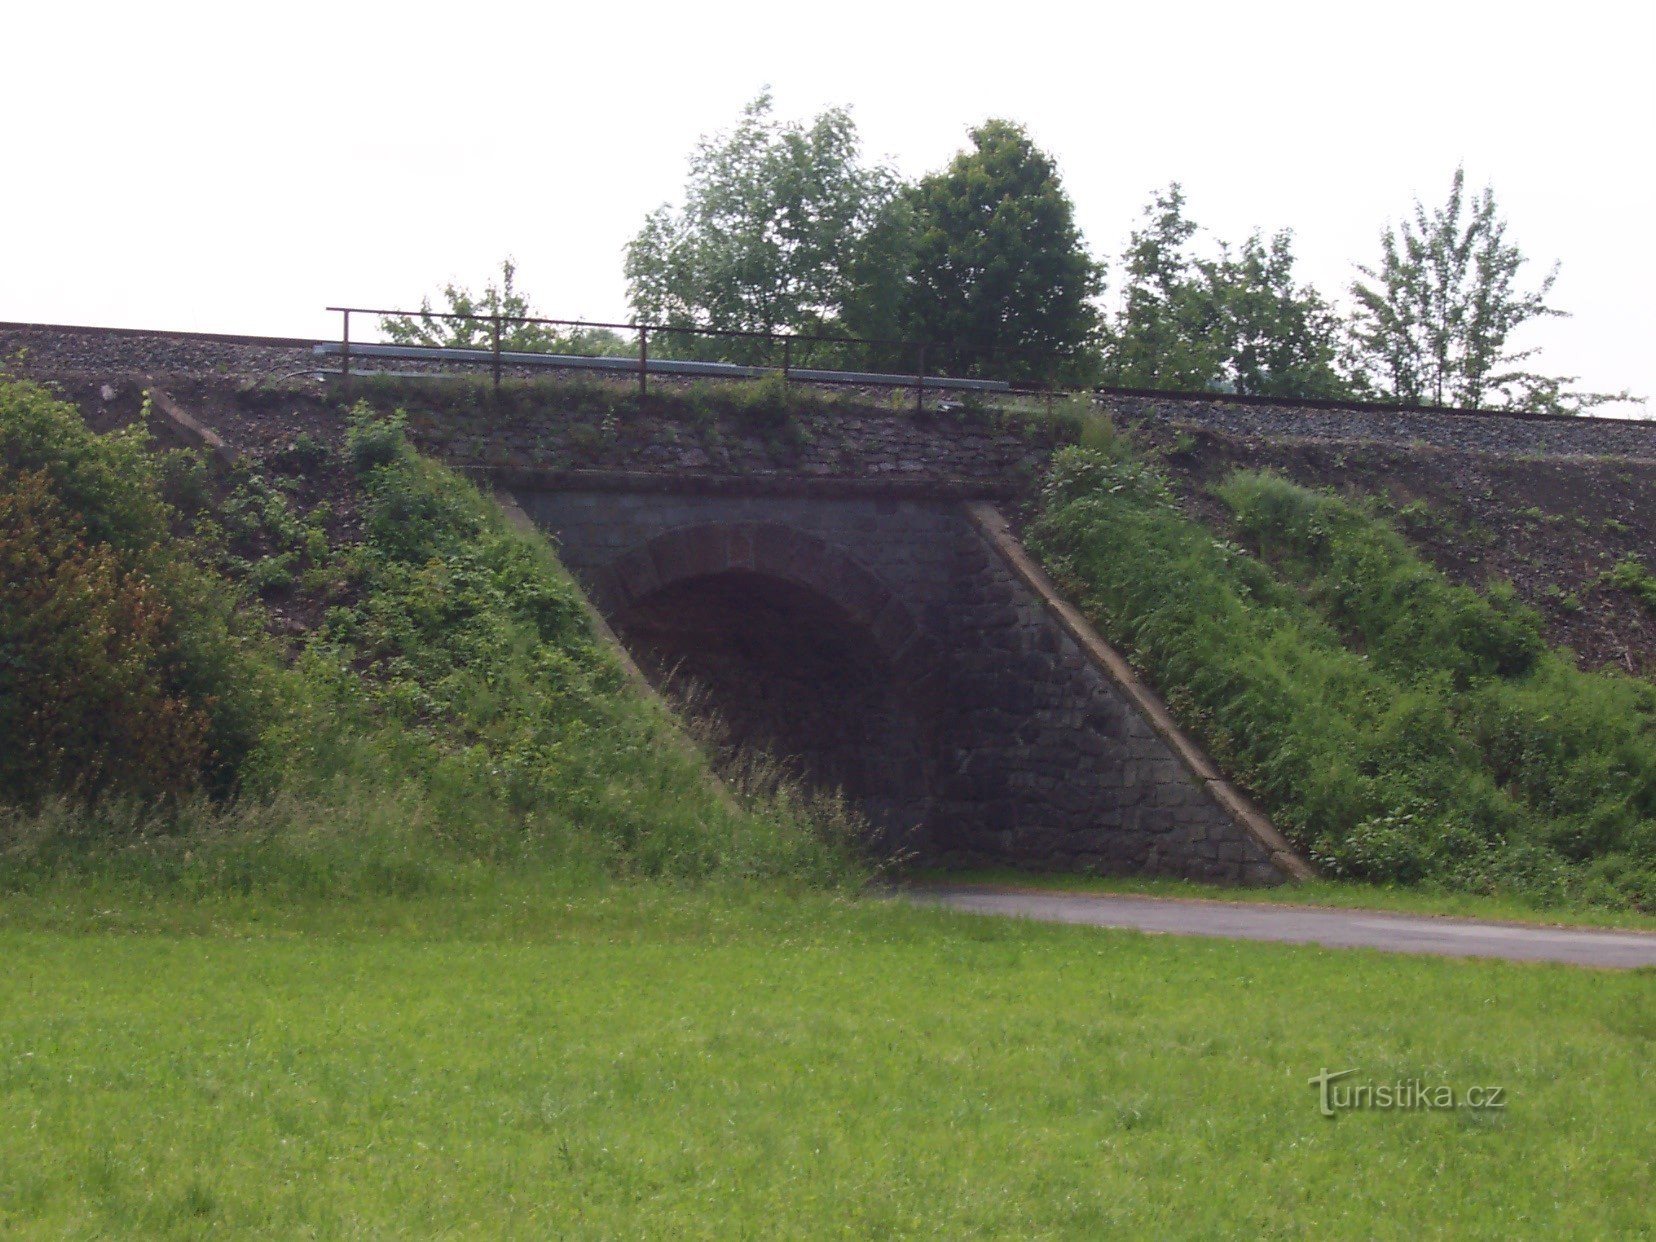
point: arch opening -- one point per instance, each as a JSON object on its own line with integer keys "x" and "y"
{"x": 789, "y": 671}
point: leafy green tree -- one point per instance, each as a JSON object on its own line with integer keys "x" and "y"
{"x": 477, "y": 332}
{"x": 1238, "y": 322}
{"x": 1280, "y": 339}
{"x": 1002, "y": 284}
{"x": 1164, "y": 336}
{"x": 1433, "y": 325}
{"x": 775, "y": 232}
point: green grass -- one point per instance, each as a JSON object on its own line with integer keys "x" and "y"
{"x": 653, "y": 1060}
{"x": 1340, "y": 894}
{"x": 1399, "y": 728}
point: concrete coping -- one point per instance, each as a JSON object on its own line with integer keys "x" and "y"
{"x": 189, "y": 428}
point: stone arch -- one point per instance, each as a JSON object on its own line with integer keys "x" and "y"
{"x": 775, "y": 551}
{"x": 802, "y": 649}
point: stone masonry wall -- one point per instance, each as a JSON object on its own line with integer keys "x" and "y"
{"x": 1049, "y": 766}
{"x": 1035, "y": 757}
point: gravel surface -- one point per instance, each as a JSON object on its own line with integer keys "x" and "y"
{"x": 117, "y": 355}
{"x": 1484, "y": 433}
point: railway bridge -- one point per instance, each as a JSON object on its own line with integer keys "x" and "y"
{"x": 896, "y": 642}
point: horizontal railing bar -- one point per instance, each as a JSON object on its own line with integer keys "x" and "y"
{"x": 686, "y": 329}
{"x": 656, "y": 366}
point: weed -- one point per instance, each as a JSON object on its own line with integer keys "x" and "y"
{"x": 1560, "y": 598}
{"x": 1631, "y": 575}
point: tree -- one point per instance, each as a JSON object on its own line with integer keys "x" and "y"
{"x": 1162, "y": 337}
{"x": 1002, "y": 283}
{"x": 775, "y": 231}
{"x": 1433, "y": 326}
{"x": 1237, "y": 322}
{"x": 477, "y": 332}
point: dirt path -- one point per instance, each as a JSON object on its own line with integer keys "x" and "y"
{"x": 1334, "y": 928}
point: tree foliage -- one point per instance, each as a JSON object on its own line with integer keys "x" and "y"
{"x": 781, "y": 222}
{"x": 1002, "y": 283}
{"x": 1434, "y": 319}
{"x": 475, "y": 330}
{"x": 1238, "y": 321}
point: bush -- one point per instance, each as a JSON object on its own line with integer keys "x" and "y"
{"x": 188, "y": 652}
{"x": 460, "y": 713}
{"x": 89, "y": 700}
{"x": 374, "y": 440}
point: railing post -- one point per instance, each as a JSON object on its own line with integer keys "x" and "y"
{"x": 920, "y": 383}
{"x": 643, "y": 361}
{"x": 787, "y": 357}
{"x": 496, "y": 325}
{"x": 345, "y": 354}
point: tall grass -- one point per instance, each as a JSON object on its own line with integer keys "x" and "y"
{"x": 1399, "y": 727}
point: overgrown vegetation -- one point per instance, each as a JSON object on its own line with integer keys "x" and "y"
{"x": 453, "y": 708}
{"x": 1399, "y": 727}
{"x": 127, "y": 667}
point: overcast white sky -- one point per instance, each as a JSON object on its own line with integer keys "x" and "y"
{"x": 237, "y": 167}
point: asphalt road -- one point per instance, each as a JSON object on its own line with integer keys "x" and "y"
{"x": 1340, "y": 929}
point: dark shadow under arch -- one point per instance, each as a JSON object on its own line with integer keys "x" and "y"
{"x": 799, "y": 651}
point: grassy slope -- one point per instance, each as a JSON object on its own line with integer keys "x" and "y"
{"x": 1401, "y": 729}
{"x": 728, "y": 1062}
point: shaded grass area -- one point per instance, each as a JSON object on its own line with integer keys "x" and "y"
{"x": 1334, "y": 894}
{"x": 1400, "y": 728}
{"x": 649, "y": 1059}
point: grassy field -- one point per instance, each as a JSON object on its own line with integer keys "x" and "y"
{"x": 755, "y": 1061}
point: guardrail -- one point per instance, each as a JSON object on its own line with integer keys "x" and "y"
{"x": 643, "y": 365}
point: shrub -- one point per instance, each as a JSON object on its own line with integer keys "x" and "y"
{"x": 106, "y": 486}
{"x": 374, "y": 440}
{"x": 89, "y": 700}
{"x": 105, "y": 480}
{"x": 182, "y": 480}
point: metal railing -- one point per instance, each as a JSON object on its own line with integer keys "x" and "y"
{"x": 499, "y": 357}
